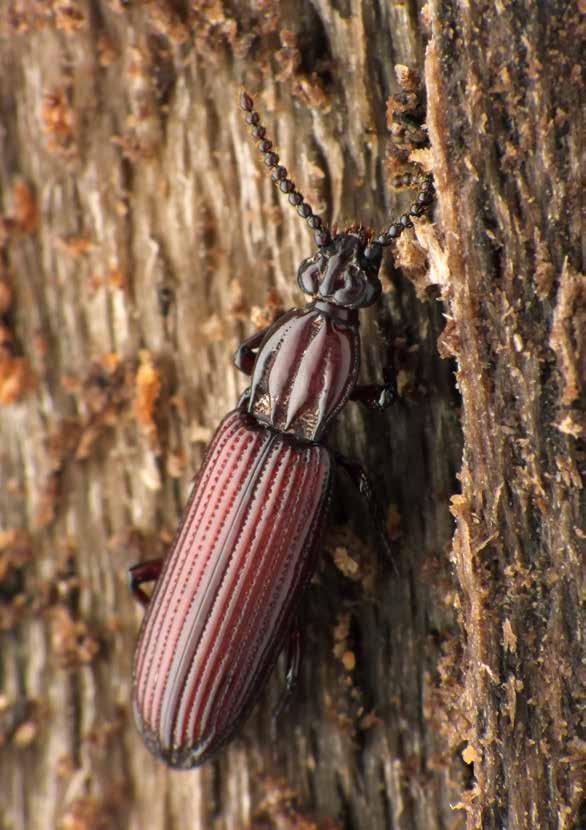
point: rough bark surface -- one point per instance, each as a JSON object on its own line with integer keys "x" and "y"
{"x": 141, "y": 240}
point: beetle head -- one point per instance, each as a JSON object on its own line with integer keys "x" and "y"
{"x": 343, "y": 272}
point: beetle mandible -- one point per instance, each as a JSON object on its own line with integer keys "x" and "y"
{"x": 224, "y": 602}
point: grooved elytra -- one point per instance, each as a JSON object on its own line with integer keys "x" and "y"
{"x": 245, "y": 548}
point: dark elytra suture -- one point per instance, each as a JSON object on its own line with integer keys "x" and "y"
{"x": 225, "y": 597}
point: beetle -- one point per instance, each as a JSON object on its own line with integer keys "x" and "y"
{"x": 223, "y": 606}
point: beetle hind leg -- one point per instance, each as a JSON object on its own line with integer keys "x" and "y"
{"x": 293, "y": 657}
{"x": 139, "y": 574}
{"x": 364, "y": 487}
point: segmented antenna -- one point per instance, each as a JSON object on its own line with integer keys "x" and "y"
{"x": 280, "y": 175}
{"x": 424, "y": 198}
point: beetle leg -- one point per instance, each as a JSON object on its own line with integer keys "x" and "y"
{"x": 242, "y": 403}
{"x": 245, "y": 355}
{"x": 377, "y": 395}
{"x": 364, "y": 487}
{"x": 294, "y": 648}
{"x": 141, "y": 573}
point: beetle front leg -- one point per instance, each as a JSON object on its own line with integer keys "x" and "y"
{"x": 377, "y": 395}
{"x": 139, "y": 574}
{"x": 245, "y": 354}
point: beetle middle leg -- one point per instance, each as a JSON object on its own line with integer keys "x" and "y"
{"x": 362, "y": 483}
{"x": 377, "y": 395}
{"x": 139, "y": 574}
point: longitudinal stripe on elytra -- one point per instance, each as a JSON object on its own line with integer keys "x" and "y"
{"x": 248, "y": 631}
{"x": 230, "y": 558}
{"x": 227, "y": 487}
{"x": 153, "y": 621}
{"x": 182, "y": 556}
{"x": 173, "y": 575}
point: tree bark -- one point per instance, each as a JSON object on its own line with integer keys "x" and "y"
{"x": 141, "y": 241}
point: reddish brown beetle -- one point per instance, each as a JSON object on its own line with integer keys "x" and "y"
{"x": 223, "y": 606}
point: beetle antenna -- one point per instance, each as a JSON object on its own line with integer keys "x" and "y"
{"x": 423, "y": 200}
{"x": 280, "y": 175}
